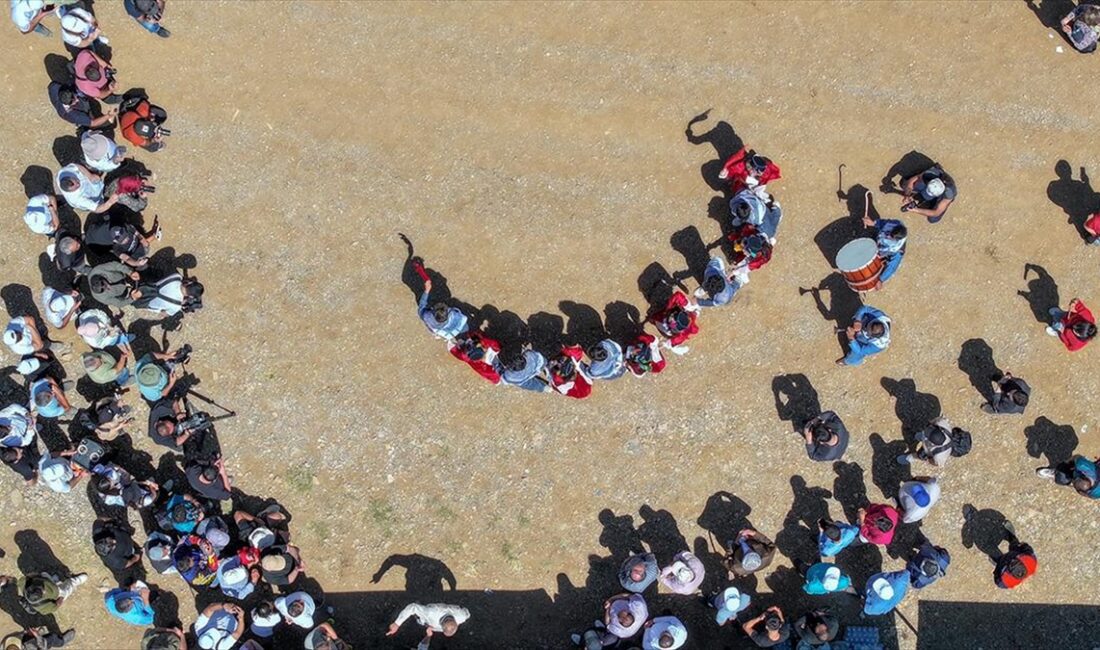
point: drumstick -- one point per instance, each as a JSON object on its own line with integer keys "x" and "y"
{"x": 840, "y": 182}
{"x": 867, "y": 204}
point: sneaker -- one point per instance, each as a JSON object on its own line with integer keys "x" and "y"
{"x": 68, "y": 637}
{"x": 1051, "y": 331}
{"x": 1045, "y": 472}
{"x": 904, "y": 459}
{"x": 163, "y": 33}
{"x": 80, "y": 579}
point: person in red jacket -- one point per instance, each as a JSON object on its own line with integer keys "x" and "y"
{"x": 566, "y": 375}
{"x": 877, "y": 523}
{"x": 478, "y": 351}
{"x": 1075, "y": 327}
{"x": 643, "y": 356}
{"x": 676, "y": 322}
{"x": 1017, "y": 564}
{"x": 751, "y": 249}
{"x": 745, "y": 169}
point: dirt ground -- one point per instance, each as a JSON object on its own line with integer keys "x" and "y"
{"x": 536, "y": 157}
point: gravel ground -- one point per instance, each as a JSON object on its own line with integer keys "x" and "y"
{"x": 536, "y": 157}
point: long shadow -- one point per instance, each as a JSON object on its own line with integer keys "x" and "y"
{"x": 19, "y": 301}
{"x": 718, "y": 211}
{"x": 689, "y": 243}
{"x": 36, "y": 180}
{"x": 842, "y": 307}
{"x": 976, "y": 360}
{"x": 725, "y": 141}
{"x": 850, "y": 488}
{"x": 36, "y": 556}
{"x": 984, "y": 531}
{"x": 909, "y": 165}
{"x": 949, "y": 624}
{"x": 619, "y": 536}
{"x": 1055, "y": 442}
{"x": 622, "y": 320}
{"x": 508, "y": 329}
{"x": 1076, "y": 197}
{"x": 656, "y": 285}
{"x": 798, "y": 539}
{"x": 1041, "y": 294}
{"x": 547, "y": 333}
{"x": 796, "y": 400}
{"x": 836, "y": 234}
{"x": 66, "y": 149}
{"x": 424, "y": 576}
{"x": 660, "y": 533}
{"x": 58, "y": 68}
{"x": 886, "y": 473}
{"x": 1051, "y": 12}
{"x": 723, "y": 516}
{"x": 585, "y": 326}
{"x": 913, "y": 408}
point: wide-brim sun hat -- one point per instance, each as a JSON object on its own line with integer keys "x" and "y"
{"x": 151, "y": 376}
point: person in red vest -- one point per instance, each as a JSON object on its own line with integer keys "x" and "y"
{"x": 477, "y": 351}
{"x": 751, "y": 249}
{"x": 877, "y": 523}
{"x": 566, "y": 375}
{"x": 1017, "y": 564}
{"x": 745, "y": 169}
{"x": 1075, "y": 327}
{"x": 643, "y": 356}
{"x": 676, "y": 322}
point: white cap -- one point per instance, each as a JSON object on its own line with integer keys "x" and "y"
{"x": 883, "y": 589}
{"x": 215, "y": 639}
{"x": 731, "y": 599}
{"x": 832, "y": 579}
{"x": 235, "y": 576}
{"x": 934, "y": 188}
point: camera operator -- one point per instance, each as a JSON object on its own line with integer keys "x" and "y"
{"x": 95, "y": 77}
{"x": 157, "y": 372}
{"x": 133, "y": 190}
{"x": 141, "y": 123}
{"x": 172, "y": 425}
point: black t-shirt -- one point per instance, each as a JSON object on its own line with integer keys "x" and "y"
{"x": 68, "y": 261}
{"x": 99, "y": 233}
{"x": 213, "y": 491}
{"x": 822, "y": 452}
{"x": 27, "y": 465}
{"x": 760, "y": 634}
{"x": 805, "y": 627}
{"x": 79, "y": 114}
{"x": 124, "y": 544}
{"x": 163, "y": 410}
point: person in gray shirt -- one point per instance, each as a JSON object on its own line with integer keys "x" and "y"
{"x": 1010, "y": 395}
{"x": 526, "y": 371}
{"x": 605, "y": 360}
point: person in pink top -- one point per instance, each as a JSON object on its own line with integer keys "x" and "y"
{"x": 877, "y": 523}
{"x": 684, "y": 575}
{"x": 95, "y": 77}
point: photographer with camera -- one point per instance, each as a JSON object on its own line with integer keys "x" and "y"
{"x": 95, "y": 77}
{"x": 208, "y": 478}
{"x": 157, "y": 372}
{"x": 148, "y": 14}
{"x": 169, "y": 295}
{"x": 141, "y": 123}
{"x": 112, "y": 283}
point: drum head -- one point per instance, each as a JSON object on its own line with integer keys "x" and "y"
{"x": 856, "y": 254}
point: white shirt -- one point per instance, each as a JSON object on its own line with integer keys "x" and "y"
{"x": 170, "y": 287}
{"x": 76, "y": 25}
{"x": 24, "y": 345}
{"x": 106, "y": 162}
{"x": 56, "y": 472}
{"x": 663, "y": 624}
{"x": 911, "y": 512}
{"x": 107, "y": 334}
{"x": 19, "y": 420}
{"x": 65, "y": 303}
{"x": 38, "y": 216}
{"x": 86, "y": 197}
{"x": 24, "y": 11}
{"x": 432, "y": 616}
{"x": 305, "y": 619}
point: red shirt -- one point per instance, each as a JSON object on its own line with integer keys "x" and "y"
{"x": 1078, "y": 314}
{"x": 578, "y": 386}
{"x": 870, "y": 532}
{"x": 676, "y": 304}
{"x": 480, "y": 366}
{"x": 737, "y": 172}
{"x": 757, "y": 259}
{"x": 1006, "y": 580}
{"x": 1093, "y": 223}
{"x": 656, "y": 362}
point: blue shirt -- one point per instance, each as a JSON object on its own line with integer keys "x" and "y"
{"x": 867, "y": 316}
{"x": 886, "y": 245}
{"x": 829, "y": 548}
{"x": 151, "y": 393}
{"x": 140, "y": 614}
{"x": 51, "y": 410}
{"x": 815, "y": 576}
{"x": 927, "y": 552}
{"x": 456, "y": 322}
{"x": 613, "y": 366}
{"x": 193, "y": 514}
{"x": 716, "y": 268}
{"x": 650, "y": 573}
{"x": 874, "y": 605}
{"x": 1084, "y": 467}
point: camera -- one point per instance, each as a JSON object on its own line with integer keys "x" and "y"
{"x": 183, "y": 355}
{"x": 148, "y": 189}
{"x": 197, "y": 422}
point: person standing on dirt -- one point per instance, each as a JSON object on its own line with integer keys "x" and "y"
{"x": 890, "y": 235}
{"x": 638, "y": 572}
{"x": 526, "y": 371}
{"x": 747, "y": 170}
{"x": 664, "y": 633}
{"x": 677, "y": 322}
{"x": 936, "y": 443}
{"x": 1075, "y": 328}
{"x": 929, "y": 193}
{"x": 443, "y": 321}
{"x": 567, "y": 374}
{"x": 435, "y": 617}
{"x": 877, "y": 524}
{"x": 719, "y": 286}
{"x": 748, "y": 553}
{"x": 928, "y": 565}
{"x": 148, "y": 14}
{"x": 1010, "y": 395}
{"x": 605, "y": 361}
{"x": 868, "y": 334}
{"x": 826, "y": 437}
{"x": 769, "y": 629}
{"x": 1082, "y": 27}
{"x": 477, "y": 351}
{"x": 76, "y": 109}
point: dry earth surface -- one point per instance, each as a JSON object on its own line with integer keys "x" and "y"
{"x": 535, "y": 155}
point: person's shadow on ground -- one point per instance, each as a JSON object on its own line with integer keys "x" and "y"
{"x": 1076, "y": 197}
{"x": 424, "y": 576}
{"x": 1053, "y": 441}
{"x": 908, "y": 166}
{"x": 725, "y": 142}
{"x": 850, "y": 488}
{"x": 798, "y": 539}
{"x": 913, "y": 408}
{"x": 1051, "y": 13}
{"x": 660, "y": 532}
{"x": 796, "y": 400}
{"x": 983, "y": 529}
{"x": 976, "y": 360}
{"x": 1041, "y": 294}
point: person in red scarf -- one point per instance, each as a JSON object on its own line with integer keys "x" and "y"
{"x": 1075, "y": 327}
{"x": 745, "y": 169}
{"x": 676, "y": 322}
{"x": 477, "y": 351}
{"x": 751, "y": 248}
{"x": 643, "y": 356}
{"x": 566, "y": 375}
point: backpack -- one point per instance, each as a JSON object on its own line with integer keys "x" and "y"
{"x": 961, "y": 443}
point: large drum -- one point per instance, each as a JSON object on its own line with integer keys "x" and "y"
{"x": 859, "y": 263}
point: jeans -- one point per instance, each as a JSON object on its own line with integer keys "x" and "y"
{"x": 1056, "y": 316}
{"x": 133, "y": 12}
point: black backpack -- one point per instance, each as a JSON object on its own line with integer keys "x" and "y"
{"x": 960, "y": 443}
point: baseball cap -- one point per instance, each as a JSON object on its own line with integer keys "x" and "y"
{"x": 920, "y": 496}
{"x": 261, "y": 538}
{"x": 683, "y": 572}
{"x": 11, "y": 336}
{"x": 882, "y": 588}
{"x": 831, "y": 580}
{"x": 751, "y": 561}
{"x": 934, "y": 188}
{"x": 158, "y": 552}
{"x": 72, "y": 22}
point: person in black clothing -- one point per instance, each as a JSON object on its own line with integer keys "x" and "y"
{"x": 1010, "y": 395}
{"x": 769, "y": 629}
{"x": 817, "y": 627}
{"x": 24, "y": 460}
{"x": 69, "y": 253}
{"x": 114, "y": 544}
{"x": 208, "y": 478}
{"x": 826, "y": 437}
{"x": 76, "y": 109}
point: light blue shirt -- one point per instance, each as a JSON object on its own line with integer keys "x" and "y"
{"x": 17, "y": 419}
{"x": 612, "y": 367}
{"x": 51, "y": 410}
{"x": 875, "y": 605}
{"x": 530, "y": 377}
{"x": 663, "y": 624}
{"x": 868, "y": 315}
{"x": 717, "y": 268}
{"x": 829, "y": 548}
{"x": 141, "y": 614}
{"x": 757, "y": 208}
{"x": 886, "y": 245}
{"x": 455, "y": 324}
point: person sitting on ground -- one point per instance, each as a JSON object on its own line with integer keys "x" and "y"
{"x": 916, "y": 498}
{"x": 28, "y": 14}
{"x": 164, "y": 638}
{"x": 170, "y": 295}
{"x": 131, "y": 604}
{"x": 747, "y": 170}
{"x": 117, "y": 487}
{"x": 1010, "y": 395}
{"x": 48, "y": 399}
{"x": 236, "y": 579}
{"x": 23, "y": 338}
{"x": 927, "y": 565}
{"x": 196, "y": 561}
{"x": 41, "y": 215}
{"x": 100, "y": 152}
{"x": 83, "y": 189}
{"x": 826, "y": 437}
{"x": 605, "y": 361}
{"x": 684, "y": 575}
{"x": 442, "y": 321}
{"x": 719, "y": 287}
{"x": 113, "y": 283}
{"x": 769, "y": 629}
{"x": 567, "y": 374}
{"x": 677, "y": 322}
{"x": 165, "y": 417}
{"x": 281, "y": 564}
{"x": 929, "y": 193}
{"x": 209, "y": 478}
{"x": 638, "y": 572}
{"x": 114, "y": 544}
{"x": 643, "y": 356}
{"x": 59, "y": 473}
{"x": 37, "y": 638}
{"x": 884, "y": 592}
{"x": 1082, "y": 27}
{"x": 157, "y": 372}
{"x": 748, "y": 553}
{"x": 259, "y": 532}
{"x": 1076, "y": 327}
{"x": 95, "y": 78}
{"x": 729, "y": 602}
{"x": 526, "y": 371}
{"x": 877, "y": 524}
{"x": 148, "y": 14}
{"x": 99, "y": 331}
{"x": 477, "y": 351}
{"x": 664, "y": 633}
{"x": 1079, "y": 472}
{"x": 835, "y": 536}
{"x": 23, "y": 461}
{"x": 265, "y": 619}
{"x": 890, "y": 235}
{"x": 219, "y": 626}
{"x": 58, "y": 307}
{"x": 297, "y": 609}
{"x": 435, "y": 617}
{"x": 868, "y": 334}
{"x": 158, "y": 550}
{"x": 936, "y": 443}
{"x": 69, "y": 254}
{"x": 825, "y": 578}
{"x": 79, "y": 27}
{"x": 19, "y": 442}
{"x": 182, "y": 513}
{"x": 43, "y": 593}
{"x": 816, "y": 628}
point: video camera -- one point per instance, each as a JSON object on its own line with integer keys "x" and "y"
{"x": 183, "y": 355}
{"x": 197, "y": 422}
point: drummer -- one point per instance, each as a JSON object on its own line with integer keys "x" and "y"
{"x": 868, "y": 334}
{"x": 890, "y": 235}
{"x": 928, "y": 193}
